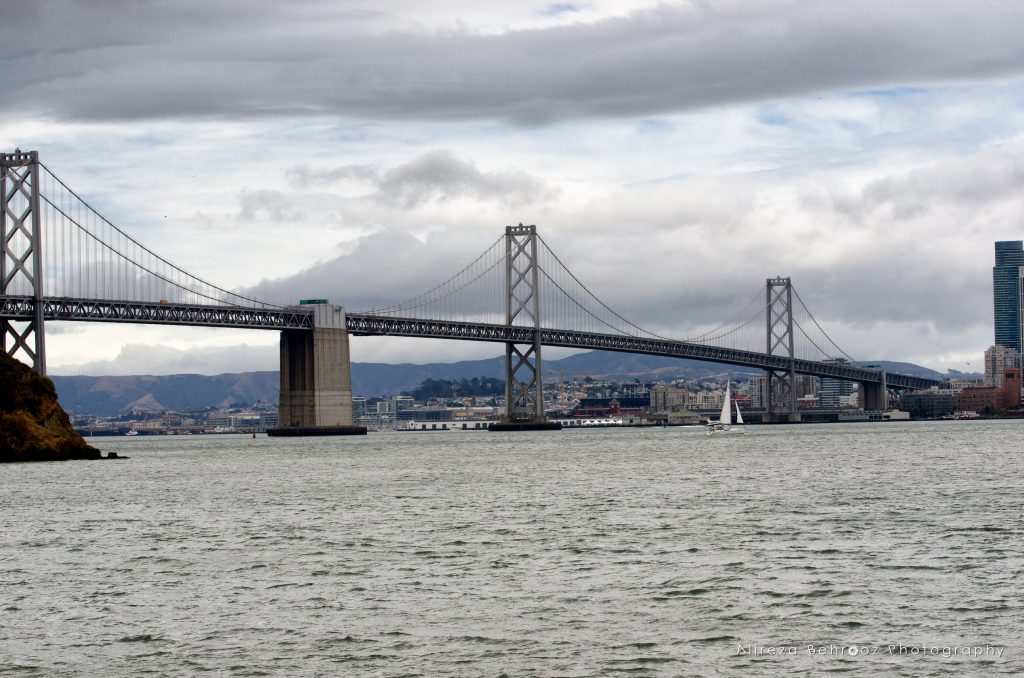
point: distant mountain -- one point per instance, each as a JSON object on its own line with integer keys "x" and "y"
{"x": 111, "y": 395}
{"x": 376, "y": 379}
{"x": 905, "y": 368}
{"x": 609, "y": 365}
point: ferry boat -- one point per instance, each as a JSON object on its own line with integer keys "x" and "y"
{"x": 451, "y": 426}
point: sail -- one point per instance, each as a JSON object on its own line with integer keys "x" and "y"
{"x": 739, "y": 417}
{"x": 726, "y": 417}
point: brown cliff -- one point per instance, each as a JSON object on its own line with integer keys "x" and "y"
{"x": 33, "y": 425}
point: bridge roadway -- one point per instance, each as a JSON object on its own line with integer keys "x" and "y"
{"x": 68, "y": 309}
{"x": 201, "y": 315}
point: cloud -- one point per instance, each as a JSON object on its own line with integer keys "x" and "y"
{"x": 558, "y": 8}
{"x": 162, "y": 359}
{"x": 903, "y": 253}
{"x": 266, "y": 204}
{"x": 163, "y": 59}
{"x": 302, "y": 176}
{"x": 436, "y": 175}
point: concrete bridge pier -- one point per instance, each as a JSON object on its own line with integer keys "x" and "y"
{"x": 316, "y": 378}
{"x": 873, "y": 396}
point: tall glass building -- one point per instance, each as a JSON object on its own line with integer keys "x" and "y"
{"x": 1007, "y": 292}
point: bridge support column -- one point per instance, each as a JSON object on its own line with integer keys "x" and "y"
{"x": 21, "y": 254}
{"x": 316, "y": 378}
{"x": 873, "y": 396}
{"x": 524, "y": 385}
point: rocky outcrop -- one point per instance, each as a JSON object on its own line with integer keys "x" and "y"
{"x": 33, "y": 425}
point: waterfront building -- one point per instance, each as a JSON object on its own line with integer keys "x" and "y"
{"x": 808, "y": 402}
{"x": 668, "y": 399}
{"x": 832, "y": 390}
{"x": 709, "y": 400}
{"x": 1011, "y": 388}
{"x": 1007, "y": 397}
{"x": 1006, "y": 293}
{"x": 850, "y": 400}
{"x": 757, "y": 389}
{"x": 591, "y": 408}
{"x": 982, "y": 399}
{"x": 402, "y": 406}
{"x": 358, "y": 407}
{"x": 958, "y": 383}
{"x": 930, "y": 404}
{"x": 807, "y": 386}
{"x": 997, "y": 359}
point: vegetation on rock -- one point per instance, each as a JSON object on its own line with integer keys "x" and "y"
{"x": 33, "y": 425}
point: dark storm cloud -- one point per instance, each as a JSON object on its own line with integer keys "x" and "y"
{"x": 121, "y": 59}
{"x": 437, "y": 175}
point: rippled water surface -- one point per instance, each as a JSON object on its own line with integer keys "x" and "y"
{"x": 579, "y": 553}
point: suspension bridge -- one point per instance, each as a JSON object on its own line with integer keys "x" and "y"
{"x": 63, "y": 261}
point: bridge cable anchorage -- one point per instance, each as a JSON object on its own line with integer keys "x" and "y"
{"x": 107, "y": 252}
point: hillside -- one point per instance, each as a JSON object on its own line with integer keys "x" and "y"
{"x": 111, "y": 395}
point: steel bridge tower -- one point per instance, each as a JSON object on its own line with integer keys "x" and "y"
{"x": 524, "y": 385}
{"x": 779, "y": 318}
{"x": 21, "y": 253}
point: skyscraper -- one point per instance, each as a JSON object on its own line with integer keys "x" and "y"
{"x": 1006, "y": 292}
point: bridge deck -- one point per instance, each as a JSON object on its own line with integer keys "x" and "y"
{"x": 366, "y": 324}
{"x": 67, "y": 309}
{"x": 93, "y": 310}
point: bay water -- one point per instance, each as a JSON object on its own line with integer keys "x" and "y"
{"x": 866, "y": 549}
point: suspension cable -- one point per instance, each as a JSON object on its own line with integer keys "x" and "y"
{"x": 822, "y": 330}
{"x": 125, "y": 258}
{"x": 594, "y": 296}
{"x": 147, "y": 250}
{"x": 401, "y": 304}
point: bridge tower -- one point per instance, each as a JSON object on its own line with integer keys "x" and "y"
{"x": 781, "y": 402}
{"x": 524, "y": 387}
{"x": 21, "y": 253}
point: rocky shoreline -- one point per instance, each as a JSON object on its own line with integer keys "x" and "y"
{"x": 33, "y": 425}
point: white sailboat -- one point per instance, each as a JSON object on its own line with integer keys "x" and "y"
{"x": 724, "y": 423}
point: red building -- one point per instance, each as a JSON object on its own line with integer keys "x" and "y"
{"x": 998, "y": 399}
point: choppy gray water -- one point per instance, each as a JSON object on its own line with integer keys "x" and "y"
{"x": 580, "y": 553}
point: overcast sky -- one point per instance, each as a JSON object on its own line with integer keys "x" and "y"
{"x": 674, "y": 154}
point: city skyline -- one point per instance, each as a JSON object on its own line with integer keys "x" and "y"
{"x": 675, "y": 189}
